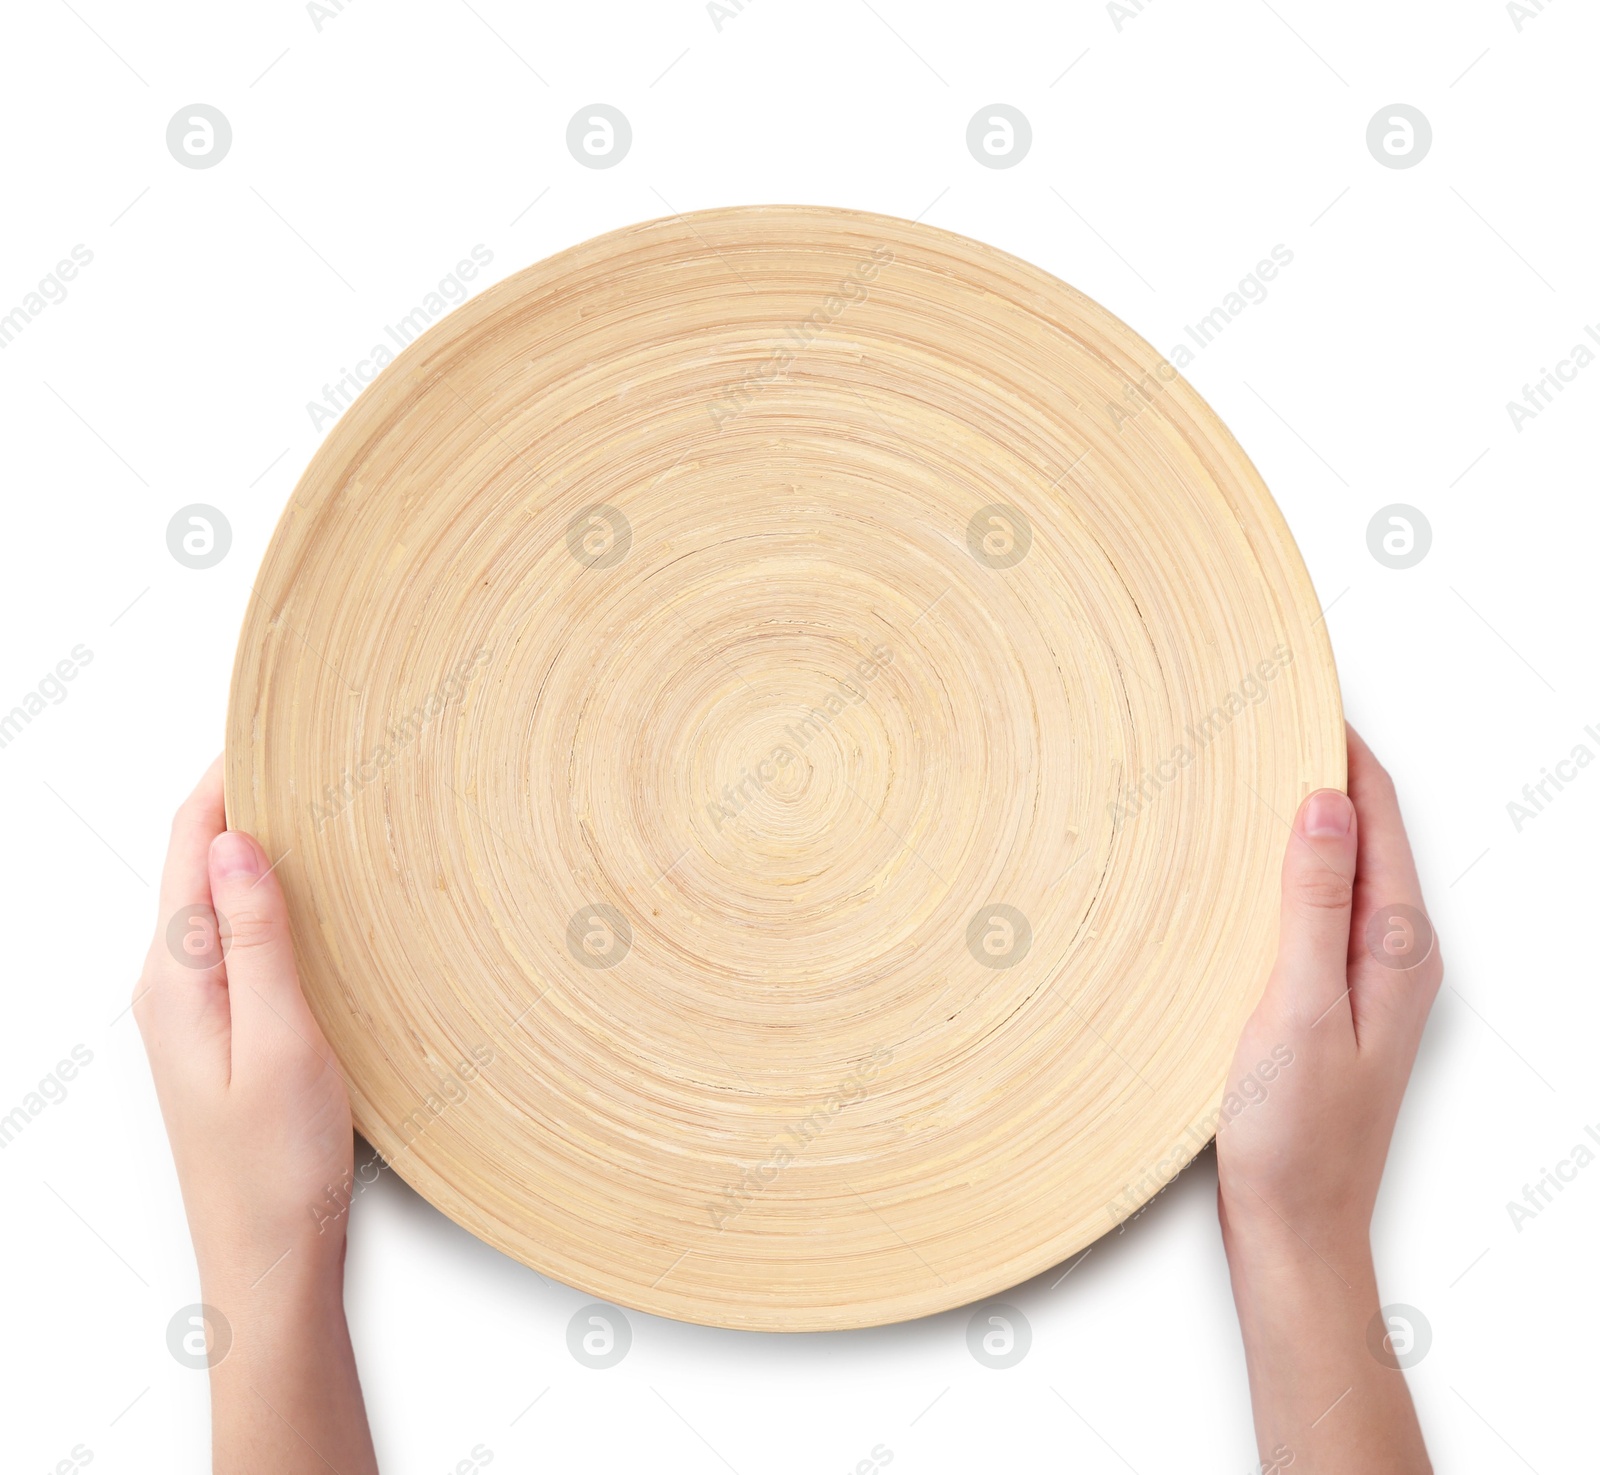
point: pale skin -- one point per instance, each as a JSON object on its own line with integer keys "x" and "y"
{"x": 1298, "y": 1172}
{"x": 259, "y": 1122}
{"x": 260, "y": 1127}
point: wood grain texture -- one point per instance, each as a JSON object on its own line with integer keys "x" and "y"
{"x": 930, "y": 851}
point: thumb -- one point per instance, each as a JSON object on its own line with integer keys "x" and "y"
{"x": 1319, "y": 871}
{"x": 263, "y": 985}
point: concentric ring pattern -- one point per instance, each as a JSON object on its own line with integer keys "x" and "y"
{"x": 782, "y": 724}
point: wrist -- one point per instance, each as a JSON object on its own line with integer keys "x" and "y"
{"x": 299, "y": 1274}
{"x": 1264, "y": 1246}
{"x": 1322, "y": 1390}
{"x": 285, "y": 1394}
{"x": 239, "y": 1250}
{"x": 1280, "y": 1273}
{"x": 1279, "y": 1277}
{"x": 1273, "y": 1235}
{"x": 292, "y": 1312}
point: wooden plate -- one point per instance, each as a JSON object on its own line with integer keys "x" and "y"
{"x": 783, "y": 725}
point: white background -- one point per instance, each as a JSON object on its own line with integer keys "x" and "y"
{"x": 1168, "y": 157}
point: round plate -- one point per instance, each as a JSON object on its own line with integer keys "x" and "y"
{"x": 782, "y": 725}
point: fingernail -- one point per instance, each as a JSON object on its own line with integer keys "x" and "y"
{"x": 235, "y": 854}
{"x": 1327, "y": 814}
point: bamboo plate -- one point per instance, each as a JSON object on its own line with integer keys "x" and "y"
{"x": 782, "y": 725}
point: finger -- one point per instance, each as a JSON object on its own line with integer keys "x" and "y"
{"x": 1319, "y": 866}
{"x": 1393, "y": 950}
{"x": 181, "y": 998}
{"x": 269, "y": 1011}
{"x": 185, "y": 878}
{"x": 1386, "y": 873}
